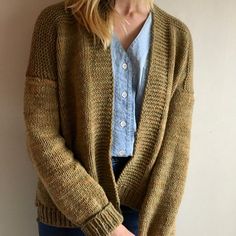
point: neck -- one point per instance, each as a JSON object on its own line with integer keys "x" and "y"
{"x": 129, "y": 7}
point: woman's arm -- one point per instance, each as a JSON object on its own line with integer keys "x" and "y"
{"x": 76, "y": 194}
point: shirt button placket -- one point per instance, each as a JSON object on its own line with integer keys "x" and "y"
{"x": 123, "y": 122}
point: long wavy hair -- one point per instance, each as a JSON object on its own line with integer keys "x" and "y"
{"x": 97, "y": 16}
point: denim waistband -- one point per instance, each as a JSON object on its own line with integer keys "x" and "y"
{"x": 121, "y": 157}
{"x": 116, "y": 160}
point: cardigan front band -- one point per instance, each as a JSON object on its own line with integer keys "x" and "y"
{"x": 69, "y": 134}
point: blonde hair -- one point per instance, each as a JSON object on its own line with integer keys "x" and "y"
{"x": 97, "y": 16}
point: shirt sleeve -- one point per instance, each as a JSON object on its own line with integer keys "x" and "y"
{"x": 168, "y": 177}
{"x": 76, "y": 194}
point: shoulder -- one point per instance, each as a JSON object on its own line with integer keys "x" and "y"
{"x": 181, "y": 39}
{"x": 42, "y": 60}
{"x": 51, "y": 15}
{"x": 182, "y": 30}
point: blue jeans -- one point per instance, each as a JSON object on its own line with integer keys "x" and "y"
{"x": 130, "y": 215}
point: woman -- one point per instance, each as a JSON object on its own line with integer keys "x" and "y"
{"x": 108, "y": 107}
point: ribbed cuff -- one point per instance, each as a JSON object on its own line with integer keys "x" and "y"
{"x": 104, "y": 222}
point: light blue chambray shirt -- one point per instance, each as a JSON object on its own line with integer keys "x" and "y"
{"x": 130, "y": 72}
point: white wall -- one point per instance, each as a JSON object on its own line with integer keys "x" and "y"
{"x": 208, "y": 207}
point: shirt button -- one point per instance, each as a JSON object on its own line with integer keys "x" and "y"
{"x": 121, "y": 153}
{"x": 124, "y": 94}
{"x": 123, "y": 123}
{"x": 124, "y": 66}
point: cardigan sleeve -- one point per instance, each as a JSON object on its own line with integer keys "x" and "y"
{"x": 168, "y": 177}
{"x": 76, "y": 194}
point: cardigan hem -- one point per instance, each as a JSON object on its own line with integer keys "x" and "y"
{"x": 93, "y": 227}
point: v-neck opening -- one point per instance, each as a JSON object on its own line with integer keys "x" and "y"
{"x": 156, "y": 93}
{"x": 136, "y": 38}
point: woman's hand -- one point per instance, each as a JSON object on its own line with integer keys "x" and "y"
{"x": 121, "y": 230}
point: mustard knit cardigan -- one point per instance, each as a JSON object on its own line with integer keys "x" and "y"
{"x": 68, "y": 115}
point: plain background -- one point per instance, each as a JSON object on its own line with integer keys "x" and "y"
{"x": 209, "y": 203}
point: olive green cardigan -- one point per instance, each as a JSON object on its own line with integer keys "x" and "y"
{"x": 68, "y": 115}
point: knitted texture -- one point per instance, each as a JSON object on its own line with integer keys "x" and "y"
{"x": 68, "y": 104}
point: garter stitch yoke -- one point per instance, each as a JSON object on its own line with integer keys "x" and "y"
{"x": 68, "y": 127}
